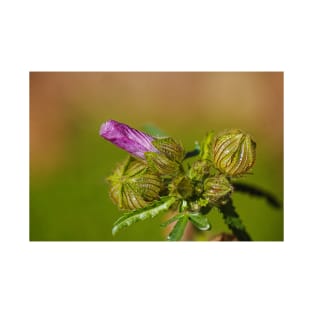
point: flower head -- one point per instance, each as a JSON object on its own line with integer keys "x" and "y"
{"x": 129, "y": 139}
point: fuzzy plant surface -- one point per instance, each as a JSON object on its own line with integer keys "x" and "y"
{"x": 154, "y": 178}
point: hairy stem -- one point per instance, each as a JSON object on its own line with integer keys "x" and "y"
{"x": 234, "y": 222}
{"x": 258, "y": 192}
{"x": 192, "y": 153}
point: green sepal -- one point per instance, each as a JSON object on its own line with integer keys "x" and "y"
{"x": 200, "y": 221}
{"x": 179, "y": 228}
{"x": 143, "y": 214}
{"x": 206, "y": 147}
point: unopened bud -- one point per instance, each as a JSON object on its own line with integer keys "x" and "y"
{"x": 181, "y": 187}
{"x": 133, "y": 186}
{"x": 167, "y": 161}
{"x": 199, "y": 170}
{"x": 233, "y": 152}
{"x": 217, "y": 190}
{"x": 173, "y": 150}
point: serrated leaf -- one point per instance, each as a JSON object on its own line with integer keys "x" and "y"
{"x": 178, "y": 229}
{"x": 171, "y": 220}
{"x": 140, "y": 215}
{"x": 200, "y": 221}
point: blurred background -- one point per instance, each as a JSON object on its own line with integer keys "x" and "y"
{"x": 69, "y": 161}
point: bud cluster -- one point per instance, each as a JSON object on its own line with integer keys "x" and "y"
{"x": 155, "y": 168}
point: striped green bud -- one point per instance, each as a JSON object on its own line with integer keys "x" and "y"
{"x": 233, "y": 152}
{"x": 199, "y": 170}
{"x": 167, "y": 161}
{"x": 181, "y": 187}
{"x": 217, "y": 190}
{"x": 173, "y": 150}
{"x": 133, "y": 185}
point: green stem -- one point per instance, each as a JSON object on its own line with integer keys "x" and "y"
{"x": 192, "y": 153}
{"x": 258, "y": 192}
{"x": 234, "y": 222}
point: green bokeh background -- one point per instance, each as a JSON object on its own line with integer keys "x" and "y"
{"x": 69, "y": 160}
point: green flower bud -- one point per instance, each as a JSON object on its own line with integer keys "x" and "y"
{"x": 161, "y": 164}
{"x": 217, "y": 190}
{"x": 181, "y": 187}
{"x": 133, "y": 185}
{"x": 199, "y": 170}
{"x": 167, "y": 161}
{"x": 233, "y": 152}
{"x": 173, "y": 150}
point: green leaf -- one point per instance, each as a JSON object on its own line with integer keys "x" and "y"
{"x": 200, "y": 221}
{"x": 143, "y": 214}
{"x": 184, "y": 206}
{"x": 171, "y": 220}
{"x": 178, "y": 229}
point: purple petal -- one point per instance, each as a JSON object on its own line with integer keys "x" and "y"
{"x": 127, "y": 138}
